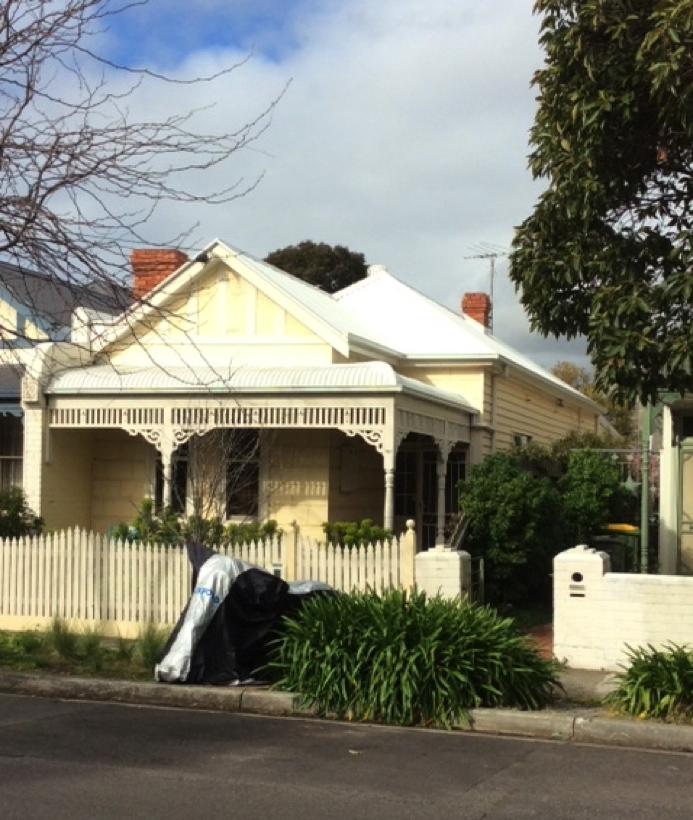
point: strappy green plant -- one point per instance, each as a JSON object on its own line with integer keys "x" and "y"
{"x": 407, "y": 659}
{"x": 655, "y": 683}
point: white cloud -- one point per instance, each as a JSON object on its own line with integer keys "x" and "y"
{"x": 403, "y": 135}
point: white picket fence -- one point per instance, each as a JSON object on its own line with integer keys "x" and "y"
{"x": 87, "y": 578}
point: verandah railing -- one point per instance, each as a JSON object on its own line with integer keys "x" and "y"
{"x": 89, "y": 578}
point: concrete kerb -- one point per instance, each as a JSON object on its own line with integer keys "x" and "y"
{"x": 570, "y": 725}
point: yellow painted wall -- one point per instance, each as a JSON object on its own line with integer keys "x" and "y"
{"x": 298, "y": 480}
{"x": 461, "y": 381}
{"x": 357, "y": 480}
{"x": 521, "y": 408}
{"x": 8, "y": 324}
{"x": 220, "y": 319}
{"x": 122, "y": 469}
{"x": 67, "y": 480}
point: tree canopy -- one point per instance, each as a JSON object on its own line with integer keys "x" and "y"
{"x": 329, "y": 267}
{"x": 619, "y": 414}
{"x": 608, "y": 250}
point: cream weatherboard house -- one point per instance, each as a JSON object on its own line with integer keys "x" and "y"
{"x": 370, "y": 403}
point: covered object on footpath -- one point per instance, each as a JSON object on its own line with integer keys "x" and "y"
{"x": 223, "y": 633}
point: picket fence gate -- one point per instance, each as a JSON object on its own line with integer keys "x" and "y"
{"x": 86, "y": 578}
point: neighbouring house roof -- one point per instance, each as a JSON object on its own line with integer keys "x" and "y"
{"x": 49, "y": 302}
{"x": 367, "y": 377}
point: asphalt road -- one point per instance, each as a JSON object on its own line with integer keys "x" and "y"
{"x": 61, "y": 760}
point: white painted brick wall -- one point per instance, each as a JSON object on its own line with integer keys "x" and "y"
{"x": 597, "y": 613}
{"x": 33, "y": 456}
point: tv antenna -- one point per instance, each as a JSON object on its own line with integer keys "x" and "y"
{"x": 491, "y": 252}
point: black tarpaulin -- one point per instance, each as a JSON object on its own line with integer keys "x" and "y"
{"x": 222, "y": 634}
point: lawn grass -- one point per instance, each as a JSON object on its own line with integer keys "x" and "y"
{"x": 61, "y": 650}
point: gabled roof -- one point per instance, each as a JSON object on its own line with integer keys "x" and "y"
{"x": 379, "y": 317}
{"x": 315, "y": 308}
{"x": 421, "y": 329}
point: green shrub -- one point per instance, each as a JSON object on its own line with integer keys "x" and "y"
{"x": 407, "y": 659}
{"x": 593, "y": 494}
{"x": 16, "y": 517}
{"x": 354, "y": 534}
{"x": 251, "y": 531}
{"x": 22, "y": 650}
{"x": 152, "y": 526}
{"x": 553, "y": 460}
{"x": 90, "y": 648}
{"x": 515, "y": 523}
{"x": 208, "y": 531}
{"x": 655, "y": 683}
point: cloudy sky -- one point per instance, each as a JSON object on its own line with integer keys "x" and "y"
{"x": 402, "y": 132}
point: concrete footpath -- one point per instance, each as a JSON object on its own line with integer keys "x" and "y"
{"x": 576, "y": 716}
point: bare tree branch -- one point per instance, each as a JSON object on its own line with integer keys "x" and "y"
{"x": 80, "y": 175}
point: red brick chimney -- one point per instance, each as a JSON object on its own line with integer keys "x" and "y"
{"x": 478, "y": 307}
{"x": 151, "y": 266}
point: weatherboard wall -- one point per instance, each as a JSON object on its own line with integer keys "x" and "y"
{"x": 524, "y": 410}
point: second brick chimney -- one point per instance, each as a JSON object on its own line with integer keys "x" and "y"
{"x": 478, "y": 307}
{"x": 151, "y": 266}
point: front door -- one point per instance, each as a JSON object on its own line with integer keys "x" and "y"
{"x": 416, "y": 486}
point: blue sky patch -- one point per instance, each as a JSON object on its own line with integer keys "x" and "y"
{"x": 162, "y": 33}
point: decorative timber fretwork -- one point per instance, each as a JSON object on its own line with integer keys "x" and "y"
{"x": 167, "y": 427}
{"x": 171, "y": 422}
{"x": 376, "y": 438}
{"x": 167, "y": 439}
{"x": 106, "y": 417}
{"x": 352, "y": 417}
{"x": 444, "y": 431}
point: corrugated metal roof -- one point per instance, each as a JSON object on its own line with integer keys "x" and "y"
{"x": 362, "y": 377}
{"x": 420, "y": 328}
{"x": 318, "y": 302}
{"x": 50, "y": 300}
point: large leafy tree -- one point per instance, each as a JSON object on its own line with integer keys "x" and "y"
{"x": 608, "y": 249}
{"x": 329, "y": 267}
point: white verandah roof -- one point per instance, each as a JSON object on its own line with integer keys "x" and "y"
{"x": 169, "y": 406}
{"x": 367, "y": 377}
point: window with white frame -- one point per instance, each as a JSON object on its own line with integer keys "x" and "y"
{"x": 521, "y": 439}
